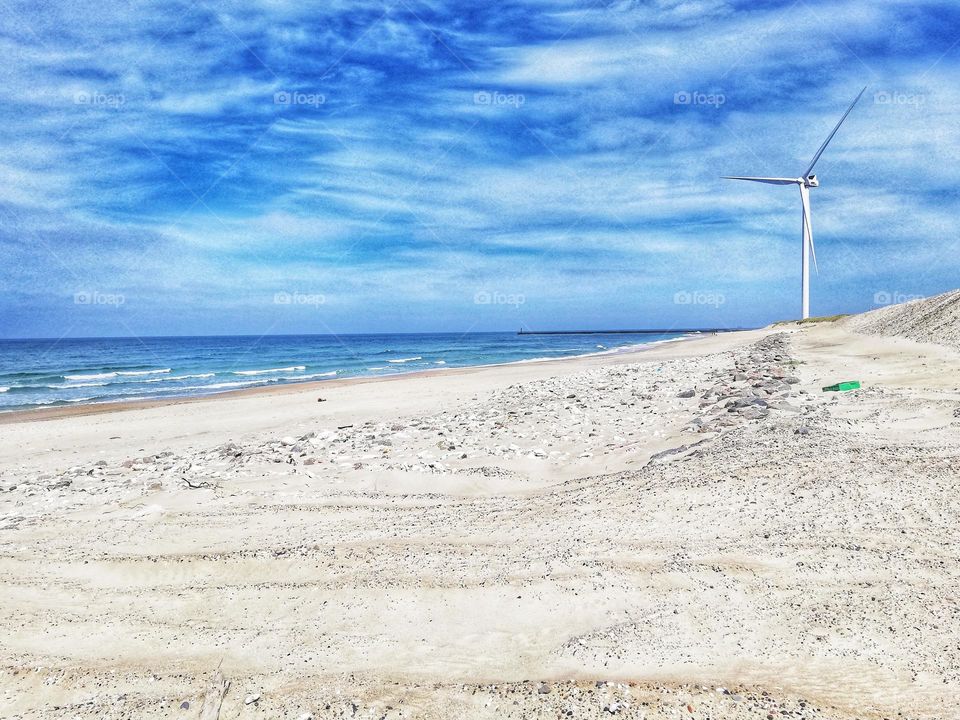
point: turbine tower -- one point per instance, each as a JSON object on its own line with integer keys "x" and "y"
{"x": 805, "y": 182}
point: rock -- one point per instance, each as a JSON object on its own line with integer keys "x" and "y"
{"x": 544, "y": 689}
{"x": 754, "y": 413}
{"x": 784, "y": 406}
{"x": 791, "y": 380}
{"x": 250, "y": 699}
{"x": 802, "y": 431}
{"x": 184, "y": 705}
{"x": 686, "y": 394}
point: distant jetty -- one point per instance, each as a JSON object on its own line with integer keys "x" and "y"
{"x": 661, "y": 331}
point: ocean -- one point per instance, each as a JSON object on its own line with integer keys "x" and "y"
{"x": 49, "y": 373}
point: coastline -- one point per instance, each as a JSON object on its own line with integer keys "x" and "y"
{"x": 694, "y": 524}
{"x": 95, "y": 408}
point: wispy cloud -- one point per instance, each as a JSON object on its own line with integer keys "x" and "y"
{"x": 399, "y": 156}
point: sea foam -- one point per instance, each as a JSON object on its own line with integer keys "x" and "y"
{"x": 293, "y": 368}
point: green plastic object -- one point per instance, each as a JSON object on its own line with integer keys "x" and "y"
{"x": 840, "y": 387}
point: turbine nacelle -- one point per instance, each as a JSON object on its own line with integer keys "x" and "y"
{"x": 810, "y": 181}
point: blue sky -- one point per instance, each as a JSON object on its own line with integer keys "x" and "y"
{"x": 274, "y": 167}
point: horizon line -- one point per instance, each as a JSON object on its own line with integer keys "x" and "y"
{"x": 372, "y": 334}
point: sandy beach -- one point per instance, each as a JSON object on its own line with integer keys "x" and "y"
{"x": 692, "y": 530}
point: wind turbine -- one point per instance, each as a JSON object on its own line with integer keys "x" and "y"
{"x": 805, "y": 182}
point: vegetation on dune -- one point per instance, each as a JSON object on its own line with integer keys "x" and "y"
{"x": 821, "y": 319}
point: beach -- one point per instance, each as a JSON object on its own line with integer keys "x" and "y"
{"x": 693, "y": 529}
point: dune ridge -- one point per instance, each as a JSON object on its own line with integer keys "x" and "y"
{"x": 931, "y": 320}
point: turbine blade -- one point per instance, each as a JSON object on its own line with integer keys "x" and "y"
{"x": 830, "y": 136}
{"x": 767, "y": 180}
{"x": 805, "y": 198}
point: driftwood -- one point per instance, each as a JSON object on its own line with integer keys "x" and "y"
{"x": 214, "y": 697}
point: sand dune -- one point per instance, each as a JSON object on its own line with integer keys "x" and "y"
{"x": 692, "y": 531}
{"x": 931, "y": 320}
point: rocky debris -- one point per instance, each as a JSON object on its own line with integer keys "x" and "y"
{"x": 542, "y": 701}
{"x": 758, "y": 383}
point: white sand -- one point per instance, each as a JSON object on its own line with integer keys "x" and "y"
{"x": 562, "y": 539}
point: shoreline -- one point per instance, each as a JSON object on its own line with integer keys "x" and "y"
{"x": 9, "y": 417}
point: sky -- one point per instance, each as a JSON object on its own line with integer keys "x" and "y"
{"x": 268, "y": 167}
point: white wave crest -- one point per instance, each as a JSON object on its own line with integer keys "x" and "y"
{"x": 174, "y": 378}
{"x": 293, "y": 368}
{"x": 95, "y": 376}
{"x": 236, "y": 384}
{"x": 108, "y": 375}
{"x": 309, "y": 377}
